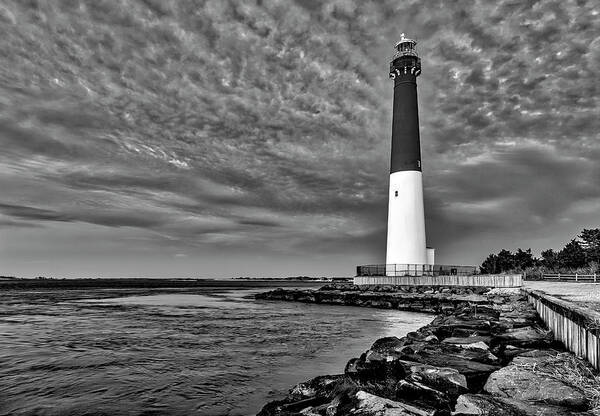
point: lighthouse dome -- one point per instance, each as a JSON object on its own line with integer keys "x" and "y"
{"x": 405, "y": 44}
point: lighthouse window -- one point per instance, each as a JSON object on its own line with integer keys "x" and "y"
{"x": 396, "y": 193}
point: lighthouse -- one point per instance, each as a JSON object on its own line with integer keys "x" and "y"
{"x": 406, "y": 245}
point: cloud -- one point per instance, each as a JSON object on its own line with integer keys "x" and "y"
{"x": 32, "y": 213}
{"x": 252, "y": 123}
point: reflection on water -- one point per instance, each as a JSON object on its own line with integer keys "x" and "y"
{"x": 209, "y": 353}
{"x": 173, "y": 300}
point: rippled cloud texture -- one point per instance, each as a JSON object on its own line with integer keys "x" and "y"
{"x": 232, "y": 138}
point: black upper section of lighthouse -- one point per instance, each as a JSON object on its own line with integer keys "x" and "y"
{"x": 405, "y": 67}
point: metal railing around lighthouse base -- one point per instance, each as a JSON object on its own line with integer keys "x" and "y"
{"x": 414, "y": 270}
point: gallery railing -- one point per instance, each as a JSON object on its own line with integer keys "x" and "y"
{"x": 415, "y": 270}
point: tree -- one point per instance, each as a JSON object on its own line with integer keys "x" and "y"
{"x": 572, "y": 256}
{"x": 506, "y": 261}
{"x": 523, "y": 259}
{"x": 549, "y": 259}
{"x": 590, "y": 242}
{"x": 489, "y": 265}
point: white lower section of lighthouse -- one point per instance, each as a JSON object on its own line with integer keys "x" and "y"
{"x": 406, "y": 220}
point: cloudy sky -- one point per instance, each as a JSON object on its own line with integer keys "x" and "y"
{"x": 243, "y": 138}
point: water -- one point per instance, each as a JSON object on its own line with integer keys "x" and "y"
{"x": 187, "y": 352}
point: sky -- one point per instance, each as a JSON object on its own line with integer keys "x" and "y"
{"x": 252, "y": 138}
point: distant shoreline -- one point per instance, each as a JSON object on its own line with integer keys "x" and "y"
{"x": 151, "y": 283}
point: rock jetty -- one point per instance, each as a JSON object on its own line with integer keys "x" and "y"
{"x": 427, "y": 299}
{"x": 484, "y": 354}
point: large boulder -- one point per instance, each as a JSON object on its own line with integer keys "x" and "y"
{"x": 525, "y": 337}
{"x": 387, "y": 345}
{"x": 467, "y": 340}
{"x": 543, "y": 409}
{"x": 475, "y": 365}
{"x": 311, "y": 397}
{"x": 478, "y": 354}
{"x": 470, "y": 343}
{"x": 421, "y": 395}
{"x": 544, "y": 360}
{"x": 381, "y": 361}
{"x": 520, "y": 319}
{"x": 351, "y": 366}
{"x": 367, "y": 404}
{"x": 306, "y": 297}
{"x": 316, "y": 386}
{"x": 330, "y": 297}
{"x": 424, "y": 348}
{"x": 422, "y": 335}
{"x": 452, "y": 325}
{"x": 483, "y": 405}
{"x": 444, "y": 379}
{"x": 525, "y": 384}
{"x": 486, "y": 405}
{"x": 529, "y": 355}
{"x": 508, "y": 352}
{"x": 376, "y": 366}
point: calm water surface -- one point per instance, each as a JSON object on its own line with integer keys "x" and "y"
{"x": 187, "y": 352}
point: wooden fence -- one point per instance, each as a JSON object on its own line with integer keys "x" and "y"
{"x": 576, "y": 327}
{"x": 487, "y": 280}
{"x": 565, "y": 277}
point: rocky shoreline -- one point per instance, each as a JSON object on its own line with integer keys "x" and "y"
{"x": 486, "y": 353}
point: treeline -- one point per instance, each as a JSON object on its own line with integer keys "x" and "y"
{"x": 580, "y": 255}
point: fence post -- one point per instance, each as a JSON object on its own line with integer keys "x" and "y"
{"x": 594, "y": 277}
{"x": 558, "y": 275}
{"x": 575, "y": 276}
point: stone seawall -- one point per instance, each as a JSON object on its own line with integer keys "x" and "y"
{"x": 478, "y": 280}
{"x": 576, "y": 327}
{"x": 489, "y": 355}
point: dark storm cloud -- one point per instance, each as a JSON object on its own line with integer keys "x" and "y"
{"x": 229, "y": 122}
{"x": 32, "y": 213}
{"x": 116, "y": 219}
{"x": 260, "y": 223}
{"x": 31, "y": 141}
{"x": 543, "y": 186}
{"x": 17, "y": 224}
